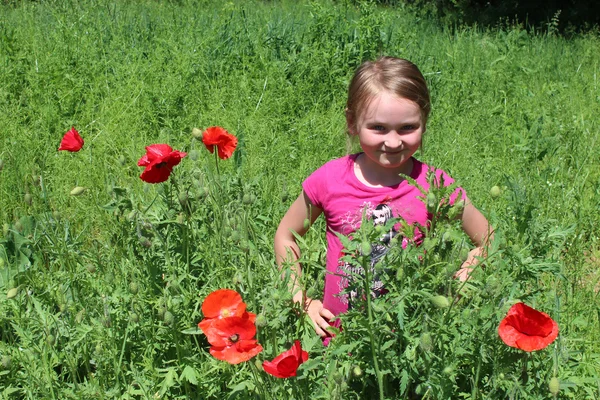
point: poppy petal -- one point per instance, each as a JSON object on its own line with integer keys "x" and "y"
{"x": 71, "y": 141}
{"x": 232, "y": 355}
{"x": 223, "y": 303}
{"x": 527, "y": 329}
{"x": 223, "y": 140}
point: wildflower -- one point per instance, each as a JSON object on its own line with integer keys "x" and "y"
{"x": 286, "y": 364}
{"x": 231, "y": 339}
{"x": 527, "y": 329}
{"x": 223, "y": 303}
{"x": 159, "y": 161}
{"x": 217, "y": 136}
{"x": 71, "y": 141}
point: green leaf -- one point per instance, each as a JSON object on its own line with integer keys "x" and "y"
{"x": 190, "y": 375}
{"x": 192, "y": 331}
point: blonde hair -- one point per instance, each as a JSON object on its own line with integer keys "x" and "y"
{"x": 396, "y": 75}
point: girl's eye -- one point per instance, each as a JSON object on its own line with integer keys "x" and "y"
{"x": 378, "y": 128}
{"x": 409, "y": 127}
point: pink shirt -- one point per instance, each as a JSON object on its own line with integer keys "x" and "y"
{"x": 335, "y": 189}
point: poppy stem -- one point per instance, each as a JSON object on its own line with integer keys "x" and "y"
{"x": 524, "y": 375}
{"x": 217, "y": 163}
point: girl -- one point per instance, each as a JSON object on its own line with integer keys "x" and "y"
{"x": 387, "y": 109}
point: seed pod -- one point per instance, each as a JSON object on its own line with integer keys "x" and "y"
{"x": 12, "y": 293}
{"x": 554, "y": 386}
{"x": 27, "y": 199}
{"x": 432, "y": 202}
{"x": 440, "y": 301}
{"x": 77, "y": 191}
{"x": 168, "y": 318}
{"x": 495, "y": 192}
{"x": 197, "y": 133}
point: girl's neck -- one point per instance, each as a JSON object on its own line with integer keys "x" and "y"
{"x": 377, "y": 176}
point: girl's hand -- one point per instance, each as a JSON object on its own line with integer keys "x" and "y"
{"x": 319, "y": 316}
{"x": 464, "y": 273}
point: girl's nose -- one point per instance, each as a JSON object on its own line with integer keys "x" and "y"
{"x": 393, "y": 140}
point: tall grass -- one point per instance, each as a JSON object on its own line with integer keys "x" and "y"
{"x": 510, "y": 108}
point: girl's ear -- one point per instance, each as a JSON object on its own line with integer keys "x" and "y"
{"x": 350, "y": 123}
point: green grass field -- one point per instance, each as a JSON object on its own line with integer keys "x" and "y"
{"x": 100, "y": 293}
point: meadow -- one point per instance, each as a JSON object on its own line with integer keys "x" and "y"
{"x": 101, "y": 288}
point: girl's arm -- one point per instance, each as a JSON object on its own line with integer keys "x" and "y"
{"x": 287, "y": 250}
{"x": 477, "y": 227}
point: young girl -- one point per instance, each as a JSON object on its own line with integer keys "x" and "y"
{"x": 387, "y": 109}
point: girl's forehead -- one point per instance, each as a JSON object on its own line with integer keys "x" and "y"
{"x": 386, "y": 105}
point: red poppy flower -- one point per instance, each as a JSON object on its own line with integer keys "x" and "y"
{"x": 71, "y": 141}
{"x": 286, "y": 364}
{"x": 159, "y": 161}
{"x": 232, "y": 339}
{"x": 527, "y": 329}
{"x": 223, "y": 303}
{"x": 217, "y": 136}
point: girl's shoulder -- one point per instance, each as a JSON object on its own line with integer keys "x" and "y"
{"x": 337, "y": 166}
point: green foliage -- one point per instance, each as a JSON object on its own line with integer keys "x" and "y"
{"x": 101, "y": 292}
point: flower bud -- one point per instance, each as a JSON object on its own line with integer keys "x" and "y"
{"x": 432, "y": 202}
{"x": 194, "y": 155}
{"x": 134, "y": 318}
{"x": 247, "y": 199}
{"x": 197, "y": 133}
{"x": 2, "y": 263}
{"x": 448, "y": 370}
{"x": 440, "y": 301}
{"x": 6, "y": 362}
{"x": 495, "y": 192}
{"x": 122, "y": 160}
{"x": 168, "y": 318}
{"x": 258, "y": 364}
{"x": 554, "y": 386}
{"x": 134, "y": 288}
{"x": 356, "y": 371}
{"x": 50, "y": 340}
{"x": 183, "y": 199}
{"x": 1, "y": 164}
{"x": 5, "y": 229}
{"x": 365, "y": 248}
{"x": 12, "y": 293}
{"x": 27, "y": 199}
{"x": 91, "y": 268}
{"x": 261, "y": 320}
{"x": 426, "y": 342}
{"x": 306, "y": 223}
{"x": 80, "y": 315}
{"x": 77, "y": 191}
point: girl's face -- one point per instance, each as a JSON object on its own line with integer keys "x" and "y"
{"x": 390, "y": 130}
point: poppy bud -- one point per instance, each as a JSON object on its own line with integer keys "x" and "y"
{"x": 98, "y": 348}
{"x": 448, "y": 370}
{"x": 133, "y": 288}
{"x": 197, "y": 133}
{"x": 501, "y": 376}
{"x": 168, "y": 318}
{"x": 247, "y": 199}
{"x": 440, "y": 301}
{"x": 432, "y": 202}
{"x": 107, "y": 322}
{"x": 1, "y": 263}
{"x": 6, "y": 362}
{"x": 258, "y": 365}
{"x": 356, "y": 371}
{"x": 261, "y": 320}
{"x": 77, "y": 191}
{"x": 122, "y": 160}
{"x": 12, "y": 293}
{"x": 131, "y": 216}
{"x": 238, "y": 279}
{"x": 554, "y": 386}
{"x": 284, "y": 197}
{"x": 495, "y": 192}
{"x": 183, "y": 199}
{"x": 426, "y": 342}
{"x": 1, "y": 164}
{"x": 365, "y": 248}
{"x": 134, "y": 317}
{"x": 27, "y": 199}
{"x": 18, "y": 226}
{"x": 5, "y": 229}
{"x": 144, "y": 241}
{"x": 91, "y": 268}
{"x": 50, "y": 340}
{"x": 56, "y": 215}
{"x": 180, "y": 219}
{"x": 194, "y": 155}
{"x": 306, "y": 223}
{"x": 80, "y": 315}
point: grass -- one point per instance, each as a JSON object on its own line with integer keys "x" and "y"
{"x": 510, "y": 108}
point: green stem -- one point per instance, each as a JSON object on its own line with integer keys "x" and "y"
{"x": 367, "y": 283}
